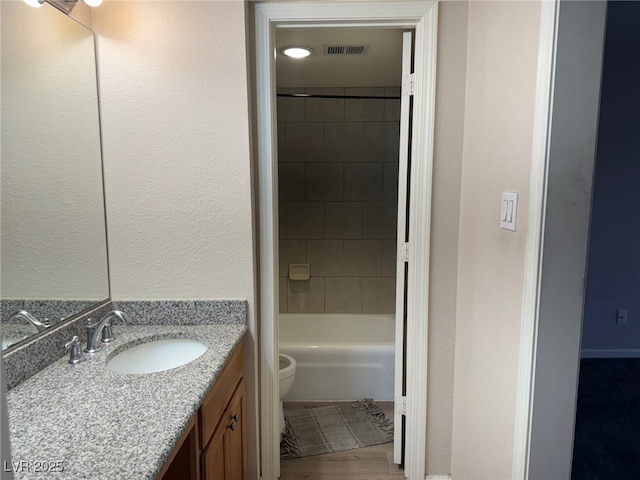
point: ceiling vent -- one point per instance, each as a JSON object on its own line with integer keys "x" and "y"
{"x": 345, "y": 49}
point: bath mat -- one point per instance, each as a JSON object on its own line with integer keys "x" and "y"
{"x": 334, "y": 428}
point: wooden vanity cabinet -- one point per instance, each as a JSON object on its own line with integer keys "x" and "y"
{"x": 214, "y": 445}
{"x": 224, "y": 456}
{"x": 183, "y": 462}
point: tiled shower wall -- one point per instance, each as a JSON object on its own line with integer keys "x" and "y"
{"x": 338, "y": 187}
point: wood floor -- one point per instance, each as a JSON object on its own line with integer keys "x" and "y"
{"x": 369, "y": 463}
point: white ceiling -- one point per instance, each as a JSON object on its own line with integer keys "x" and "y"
{"x": 380, "y": 67}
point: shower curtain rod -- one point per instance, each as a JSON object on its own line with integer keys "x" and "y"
{"x": 356, "y": 97}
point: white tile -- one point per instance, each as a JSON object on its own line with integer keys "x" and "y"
{"x": 390, "y": 182}
{"x": 282, "y": 142}
{"x": 291, "y": 251}
{"x": 282, "y": 295}
{"x": 381, "y": 141}
{"x": 291, "y": 183}
{"x": 305, "y": 142}
{"x": 380, "y": 220}
{"x": 363, "y": 181}
{"x": 343, "y": 220}
{"x": 324, "y": 181}
{"x": 306, "y": 296}
{"x": 290, "y": 109}
{"x": 343, "y": 295}
{"x": 392, "y": 106}
{"x": 344, "y": 141}
{"x": 389, "y": 255}
{"x": 378, "y": 295}
{"x": 362, "y": 258}
{"x": 305, "y": 220}
{"x": 282, "y": 220}
{"x": 326, "y": 257}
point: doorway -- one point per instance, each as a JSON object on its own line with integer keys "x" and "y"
{"x": 423, "y": 18}
{"x": 608, "y": 407}
{"x": 338, "y": 124}
{"x": 559, "y": 270}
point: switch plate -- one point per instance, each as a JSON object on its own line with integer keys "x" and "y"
{"x": 509, "y": 211}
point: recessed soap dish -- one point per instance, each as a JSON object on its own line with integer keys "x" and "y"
{"x": 299, "y": 271}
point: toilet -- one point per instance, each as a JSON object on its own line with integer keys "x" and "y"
{"x": 287, "y": 373}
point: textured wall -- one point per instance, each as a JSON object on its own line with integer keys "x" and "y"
{"x": 176, "y": 149}
{"x": 447, "y": 171}
{"x": 338, "y": 190}
{"x": 501, "y": 72}
{"x": 613, "y": 276}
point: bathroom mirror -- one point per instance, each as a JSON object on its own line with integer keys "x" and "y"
{"x": 53, "y": 235}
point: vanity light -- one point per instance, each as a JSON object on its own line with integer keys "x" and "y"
{"x": 65, "y": 5}
{"x": 297, "y": 52}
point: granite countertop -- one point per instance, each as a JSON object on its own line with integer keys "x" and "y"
{"x": 106, "y": 425}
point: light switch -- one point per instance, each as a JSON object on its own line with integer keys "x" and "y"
{"x": 509, "y": 211}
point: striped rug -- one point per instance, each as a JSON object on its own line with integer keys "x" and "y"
{"x": 334, "y": 428}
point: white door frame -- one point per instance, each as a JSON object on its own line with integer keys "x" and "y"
{"x": 562, "y": 168}
{"x": 423, "y": 17}
{"x": 533, "y": 252}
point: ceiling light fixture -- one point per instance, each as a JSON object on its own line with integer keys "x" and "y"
{"x": 64, "y": 5}
{"x": 297, "y": 52}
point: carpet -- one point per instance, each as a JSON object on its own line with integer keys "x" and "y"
{"x": 334, "y": 428}
{"x": 607, "y": 429}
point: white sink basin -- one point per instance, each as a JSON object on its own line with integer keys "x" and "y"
{"x": 14, "y": 333}
{"x": 157, "y": 356}
{"x": 10, "y": 340}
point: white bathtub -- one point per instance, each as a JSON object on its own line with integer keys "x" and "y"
{"x": 339, "y": 356}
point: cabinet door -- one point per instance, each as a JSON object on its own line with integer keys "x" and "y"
{"x": 183, "y": 463}
{"x": 234, "y": 438}
{"x": 218, "y": 398}
{"x": 213, "y": 457}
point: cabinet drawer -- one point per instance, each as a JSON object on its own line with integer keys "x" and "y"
{"x": 218, "y": 397}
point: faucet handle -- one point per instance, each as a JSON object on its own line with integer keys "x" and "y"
{"x": 76, "y": 352}
{"x": 107, "y": 331}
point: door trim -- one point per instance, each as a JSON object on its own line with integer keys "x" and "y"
{"x": 423, "y": 17}
{"x": 534, "y": 245}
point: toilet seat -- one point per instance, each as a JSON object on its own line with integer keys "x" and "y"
{"x": 287, "y": 366}
{"x": 286, "y": 374}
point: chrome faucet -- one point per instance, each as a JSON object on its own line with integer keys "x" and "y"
{"x": 103, "y": 327}
{"x": 40, "y": 326}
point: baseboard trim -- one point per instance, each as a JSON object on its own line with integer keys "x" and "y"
{"x": 438, "y": 477}
{"x": 610, "y": 353}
